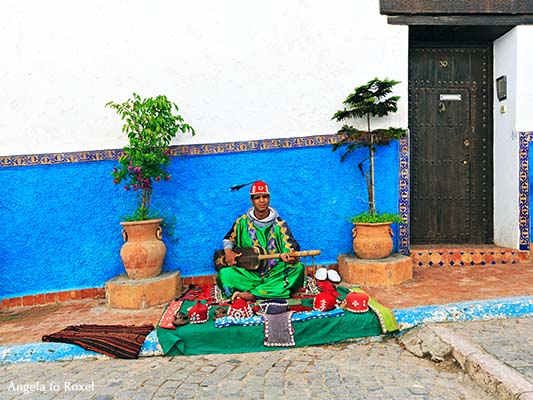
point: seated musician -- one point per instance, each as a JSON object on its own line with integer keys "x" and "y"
{"x": 261, "y": 226}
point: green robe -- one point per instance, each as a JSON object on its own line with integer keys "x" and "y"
{"x": 276, "y": 281}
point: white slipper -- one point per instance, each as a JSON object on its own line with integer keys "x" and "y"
{"x": 321, "y": 274}
{"x": 333, "y": 276}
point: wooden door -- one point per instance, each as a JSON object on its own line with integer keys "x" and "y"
{"x": 451, "y": 144}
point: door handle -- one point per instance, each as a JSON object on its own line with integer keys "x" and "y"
{"x": 466, "y": 142}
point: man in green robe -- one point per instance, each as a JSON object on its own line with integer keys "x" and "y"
{"x": 262, "y": 227}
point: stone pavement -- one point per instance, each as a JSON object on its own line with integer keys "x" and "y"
{"x": 496, "y": 354}
{"x": 373, "y": 368}
{"x": 376, "y": 369}
{"x": 508, "y": 340}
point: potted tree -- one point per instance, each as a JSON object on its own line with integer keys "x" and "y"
{"x": 150, "y": 124}
{"x": 372, "y": 231}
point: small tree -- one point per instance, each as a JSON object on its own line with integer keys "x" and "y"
{"x": 368, "y": 101}
{"x": 150, "y": 124}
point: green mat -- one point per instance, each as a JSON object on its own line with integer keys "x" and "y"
{"x": 194, "y": 339}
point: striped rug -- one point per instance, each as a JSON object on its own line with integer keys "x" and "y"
{"x": 118, "y": 341}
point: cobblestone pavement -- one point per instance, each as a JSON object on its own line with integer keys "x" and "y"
{"x": 379, "y": 369}
{"x": 509, "y": 340}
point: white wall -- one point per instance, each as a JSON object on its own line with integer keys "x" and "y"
{"x": 238, "y": 69}
{"x": 506, "y": 228}
{"x": 524, "y": 90}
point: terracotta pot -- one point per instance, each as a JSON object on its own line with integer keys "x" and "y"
{"x": 372, "y": 240}
{"x": 144, "y": 251}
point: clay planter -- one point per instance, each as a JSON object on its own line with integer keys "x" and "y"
{"x": 372, "y": 240}
{"x": 144, "y": 251}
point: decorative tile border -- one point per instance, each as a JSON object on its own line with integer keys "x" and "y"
{"x": 58, "y": 158}
{"x": 403, "y": 196}
{"x": 460, "y": 257}
{"x": 256, "y": 145}
{"x": 523, "y": 189}
{"x": 180, "y": 150}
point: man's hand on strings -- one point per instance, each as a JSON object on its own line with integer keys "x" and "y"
{"x": 231, "y": 256}
{"x": 287, "y": 258}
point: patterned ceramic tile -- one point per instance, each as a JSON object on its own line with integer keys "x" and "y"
{"x": 193, "y": 149}
{"x": 441, "y": 257}
{"x": 403, "y": 199}
{"x": 523, "y": 189}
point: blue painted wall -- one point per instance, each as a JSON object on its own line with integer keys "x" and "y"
{"x": 61, "y": 223}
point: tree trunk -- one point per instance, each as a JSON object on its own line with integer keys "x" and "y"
{"x": 370, "y": 182}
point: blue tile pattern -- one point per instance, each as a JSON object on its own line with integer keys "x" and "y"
{"x": 181, "y": 150}
{"x": 58, "y": 158}
{"x": 523, "y": 189}
{"x": 403, "y": 198}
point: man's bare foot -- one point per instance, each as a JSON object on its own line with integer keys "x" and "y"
{"x": 243, "y": 295}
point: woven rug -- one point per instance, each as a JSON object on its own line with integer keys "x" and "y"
{"x": 118, "y": 341}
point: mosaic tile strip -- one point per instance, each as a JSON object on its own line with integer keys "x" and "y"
{"x": 523, "y": 189}
{"x": 442, "y": 257}
{"x": 182, "y": 150}
{"x": 58, "y": 158}
{"x": 403, "y": 198}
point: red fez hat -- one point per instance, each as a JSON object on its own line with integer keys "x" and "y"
{"x": 259, "y": 187}
{"x": 357, "y": 302}
{"x": 198, "y": 314}
{"x": 324, "y": 301}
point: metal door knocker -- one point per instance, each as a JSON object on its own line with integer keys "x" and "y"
{"x": 442, "y": 107}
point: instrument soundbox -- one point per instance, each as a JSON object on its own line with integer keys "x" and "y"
{"x": 254, "y": 258}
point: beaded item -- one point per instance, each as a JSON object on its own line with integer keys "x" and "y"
{"x": 324, "y": 301}
{"x": 169, "y": 314}
{"x": 278, "y": 330}
{"x": 240, "y": 309}
{"x": 198, "y": 314}
{"x": 296, "y": 317}
{"x": 357, "y": 302}
{"x": 274, "y": 306}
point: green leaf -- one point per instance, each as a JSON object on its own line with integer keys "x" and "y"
{"x": 150, "y": 125}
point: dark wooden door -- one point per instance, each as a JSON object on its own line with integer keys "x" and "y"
{"x": 451, "y": 144}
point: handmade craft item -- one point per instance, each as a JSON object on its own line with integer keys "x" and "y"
{"x": 274, "y": 306}
{"x": 357, "y": 302}
{"x": 278, "y": 330}
{"x": 112, "y": 340}
{"x": 169, "y": 315}
{"x": 198, "y": 314}
{"x": 240, "y": 309}
{"x": 324, "y": 301}
{"x": 180, "y": 319}
{"x": 220, "y": 312}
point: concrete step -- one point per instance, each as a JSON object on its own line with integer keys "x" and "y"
{"x": 441, "y": 255}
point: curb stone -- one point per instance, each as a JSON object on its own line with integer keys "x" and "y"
{"x": 484, "y": 369}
